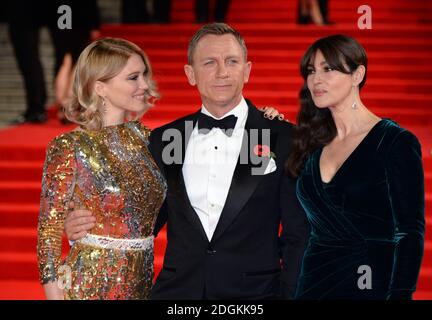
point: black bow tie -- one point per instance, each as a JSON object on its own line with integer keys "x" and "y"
{"x": 225, "y": 124}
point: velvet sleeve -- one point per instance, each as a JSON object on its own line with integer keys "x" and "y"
{"x": 405, "y": 178}
{"x": 293, "y": 238}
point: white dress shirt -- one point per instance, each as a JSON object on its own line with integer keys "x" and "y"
{"x": 209, "y": 165}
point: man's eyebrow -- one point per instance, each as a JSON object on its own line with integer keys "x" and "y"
{"x": 233, "y": 56}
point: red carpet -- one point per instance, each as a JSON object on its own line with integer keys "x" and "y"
{"x": 399, "y": 86}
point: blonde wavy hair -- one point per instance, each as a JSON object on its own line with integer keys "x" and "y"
{"x": 101, "y": 61}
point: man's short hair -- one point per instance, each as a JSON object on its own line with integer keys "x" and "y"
{"x": 218, "y": 29}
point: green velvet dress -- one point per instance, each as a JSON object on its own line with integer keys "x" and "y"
{"x": 367, "y": 223}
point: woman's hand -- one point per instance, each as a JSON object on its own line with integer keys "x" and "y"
{"x": 53, "y": 291}
{"x": 271, "y": 113}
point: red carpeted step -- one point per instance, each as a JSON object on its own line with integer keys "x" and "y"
{"x": 21, "y": 290}
{"x": 427, "y": 163}
{"x": 341, "y": 16}
{"x": 283, "y": 11}
{"x": 17, "y": 152}
{"x": 428, "y": 210}
{"x": 259, "y": 5}
{"x": 428, "y": 233}
{"x": 239, "y": 5}
{"x": 18, "y": 265}
{"x": 428, "y": 182}
{"x": 186, "y": 30}
{"x": 21, "y": 191}
{"x": 275, "y": 5}
{"x": 21, "y": 170}
{"x": 422, "y": 295}
{"x": 427, "y": 257}
{"x": 425, "y": 279}
{"x": 19, "y": 215}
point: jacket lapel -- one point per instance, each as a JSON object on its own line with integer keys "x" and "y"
{"x": 244, "y": 182}
{"x": 175, "y": 180}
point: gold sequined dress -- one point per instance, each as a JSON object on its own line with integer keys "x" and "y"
{"x": 111, "y": 173}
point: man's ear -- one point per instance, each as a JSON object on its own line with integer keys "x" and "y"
{"x": 99, "y": 88}
{"x": 359, "y": 74}
{"x": 188, "y": 69}
{"x": 247, "y": 71}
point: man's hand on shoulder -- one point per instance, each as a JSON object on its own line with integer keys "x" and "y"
{"x": 78, "y": 223}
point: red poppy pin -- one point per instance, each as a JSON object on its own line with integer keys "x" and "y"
{"x": 264, "y": 151}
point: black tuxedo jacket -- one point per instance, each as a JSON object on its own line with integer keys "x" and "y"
{"x": 246, "y": 257}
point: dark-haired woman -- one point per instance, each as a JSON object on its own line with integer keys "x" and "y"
{"x": 360, "y": 181}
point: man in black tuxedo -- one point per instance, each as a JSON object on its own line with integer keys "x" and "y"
{"x": 223, "y": 218}
{"x": 227, "y": 193}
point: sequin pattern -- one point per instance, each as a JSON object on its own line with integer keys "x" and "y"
{"x": 111, "y": 173}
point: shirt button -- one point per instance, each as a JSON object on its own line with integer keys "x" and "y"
{"x": 216, "y": 147}
{"x": 211, "y": 251}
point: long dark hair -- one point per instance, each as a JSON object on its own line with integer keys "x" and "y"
{"x": 315, "y": 126}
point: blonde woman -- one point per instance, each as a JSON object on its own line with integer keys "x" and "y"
{"x": 106, "y": 167}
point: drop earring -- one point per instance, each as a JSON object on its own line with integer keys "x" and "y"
{"x": 104, "y": 106}
{"x": 354, "y": 104}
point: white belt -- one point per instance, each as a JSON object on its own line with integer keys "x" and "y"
{"x": 116, "y": 243}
